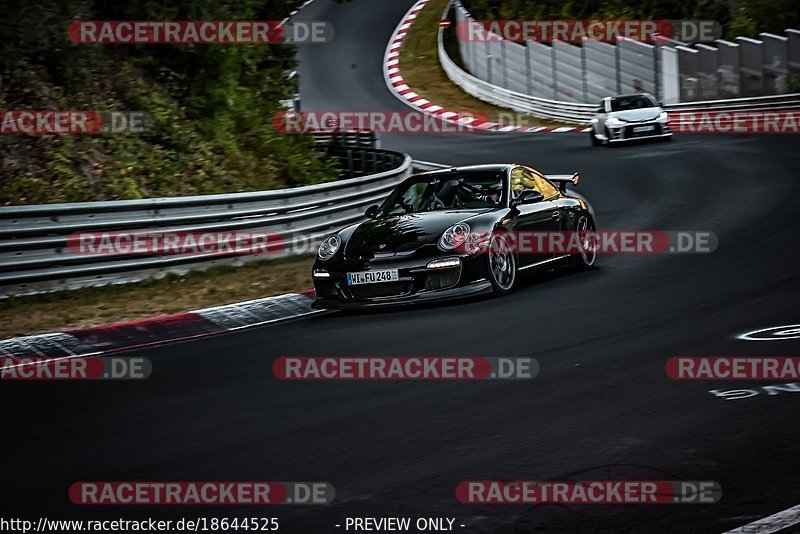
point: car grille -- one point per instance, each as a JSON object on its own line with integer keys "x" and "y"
{"x": 630, "y": 134}
{"x": 442, "y": 279}
{"x": 387, "y": 289}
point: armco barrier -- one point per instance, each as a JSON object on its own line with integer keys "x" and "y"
{"x": 34, "y": 257}
{"x": 498, "y": 90}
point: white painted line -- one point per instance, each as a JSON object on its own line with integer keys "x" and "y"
{"x": 561, "y": 129}
{"x": 773, "y": 523}
{"x": 293, "y": 13}
{"x": 775, "y": 333}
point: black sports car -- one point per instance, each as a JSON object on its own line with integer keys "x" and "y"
{"x": 452, "y": 233}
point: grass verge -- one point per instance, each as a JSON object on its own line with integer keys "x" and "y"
{"x": 419, "y": 64}
{"x": 95, "y": 306}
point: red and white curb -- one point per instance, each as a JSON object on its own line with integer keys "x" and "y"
{"x": 293, "y": 13}
{"x": 779, "y": 522}
{"x": 397, "y": 85}
{"x": 178, "y": 327}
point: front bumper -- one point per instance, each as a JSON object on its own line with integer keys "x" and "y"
{"x": 660, "y": 130}
{"x": 416, "y": 282}
{"x": 479, "y": 287}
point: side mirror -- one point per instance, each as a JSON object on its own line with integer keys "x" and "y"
{"x": 529, "y": 196}
{"x": 371, "y": 211}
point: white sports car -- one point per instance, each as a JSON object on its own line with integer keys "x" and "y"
{"x": 628, "y": 117}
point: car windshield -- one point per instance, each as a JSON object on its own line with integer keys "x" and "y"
{"x": 624, "y": 103}
{"x": 471, "y": 189}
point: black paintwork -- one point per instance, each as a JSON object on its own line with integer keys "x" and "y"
{"x": 409, "y": 242}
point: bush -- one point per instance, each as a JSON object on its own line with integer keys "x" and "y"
{"x": 210, "y": 107}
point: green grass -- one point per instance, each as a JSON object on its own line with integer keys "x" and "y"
{"x": 419, "y": 64}
{"x": 83, "y": 308}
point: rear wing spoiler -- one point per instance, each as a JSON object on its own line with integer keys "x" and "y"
{"x": 561, "y": 180}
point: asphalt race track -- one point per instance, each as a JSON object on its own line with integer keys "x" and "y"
{"x": 602, "y": 406}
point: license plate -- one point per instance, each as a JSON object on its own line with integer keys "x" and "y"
{"x": 372, "y": 277}
{"x": 638, "y": 129}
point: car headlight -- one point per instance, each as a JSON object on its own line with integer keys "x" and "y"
{"x": 329, "y": 247}
{"x": 614, "y": 121}
{"x": 454, "y": 237}
{"x": 663, "y": 117}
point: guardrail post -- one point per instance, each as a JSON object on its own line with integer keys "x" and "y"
{"x": 585, "y": 77}
{"x": 350, "y": 162}
{"x": 504, "y": 63}
{"x": 555, "y": 73}
{"x": 528, "y": 82}
{"x": 775, "y": 60}
{"x": 794, "y": 51}
{"x": 751, "y": 64}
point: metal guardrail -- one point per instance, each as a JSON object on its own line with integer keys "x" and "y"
{"x": 499, "y": 96}
{"x": 424, "y": 166}
{"x": 577, "y": 113}
{"x": 352, "y": 139}
{"x": 35, "y": 257}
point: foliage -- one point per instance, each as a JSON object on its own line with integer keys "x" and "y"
{"x": 210, "y": 107}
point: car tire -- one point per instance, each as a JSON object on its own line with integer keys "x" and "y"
{"x": 502, "y": 265}
{"x": 595, "y": 140}
{"x": 587, "y": 258}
